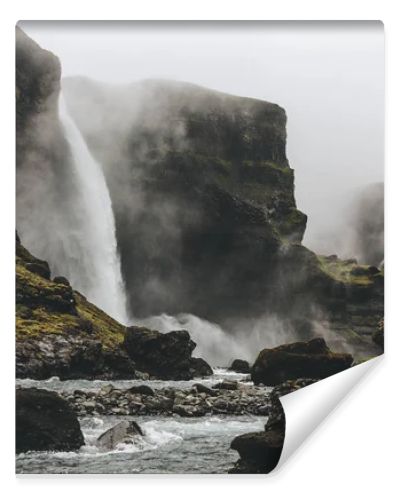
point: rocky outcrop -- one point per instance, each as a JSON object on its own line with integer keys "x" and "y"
{"x": 167, "y": 356}
{"x": 311, "y": 359}
{"x": 45, "y": 422}
{"x": 240, "y": 366}
{"x": 123, "y": 432}
{"x": 260, "y": 451}
{"x": 59, "y": 333}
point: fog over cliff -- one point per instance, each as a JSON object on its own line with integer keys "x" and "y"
{"x": 328, "y": 77}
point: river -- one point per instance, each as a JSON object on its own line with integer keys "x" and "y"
{"x": 171, "y": 444}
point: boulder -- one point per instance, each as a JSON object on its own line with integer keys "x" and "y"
{"x": 123, "y": 432}
{"x": 228, "y": 385}
{"x": 145, "y": 390}
{"x": 240, "y": 366}
{"x": 45, "y": 422}
{"x": 311, "y": 359}
{"x": 260, "y": 451}
{"x": 167, "y": 356}
{"x": 200, "y": 388}
{"x": 200, "y": 368}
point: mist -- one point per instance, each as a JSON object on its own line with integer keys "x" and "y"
{"x": 328, "y": 76}
{"x": 221, "y": 346}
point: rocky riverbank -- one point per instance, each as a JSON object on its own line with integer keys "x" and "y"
{"x": 225, "y": 398}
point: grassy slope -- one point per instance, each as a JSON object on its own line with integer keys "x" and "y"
{"x": 42, "y": 308}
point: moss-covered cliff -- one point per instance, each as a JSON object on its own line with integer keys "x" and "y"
{"x": 58, "y": 332}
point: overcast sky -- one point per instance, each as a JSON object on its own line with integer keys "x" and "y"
{"x": 328, "y": 76}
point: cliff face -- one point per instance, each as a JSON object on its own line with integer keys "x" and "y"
{"x": 43, "y": 176}
{"x": 202, "y": 191}
{"x": 38, "y": 74}
{"x": 39, "y": 137}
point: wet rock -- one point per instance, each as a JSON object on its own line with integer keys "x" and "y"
{"x": 122, "y": 432}
{"x": 260, "y": 451}
{"x": 141, "y": 389}
{"x": 311, "y": 359}
{"x": 164, "y": 355}
{"x": 240, "y": 366}
{"x": 45, "y": 422}
{"x": 200, "y": 368}
{"x": 229, "y": 385}
{"x": 190, "y": 402}
{"x": 200, "y": 388}
{"x": 106, "y": 389}
{"x": 290, "y": 386}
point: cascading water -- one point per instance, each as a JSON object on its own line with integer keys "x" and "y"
{"x": 91, "y": 260}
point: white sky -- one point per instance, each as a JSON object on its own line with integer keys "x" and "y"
{"x": 328, "y": 76}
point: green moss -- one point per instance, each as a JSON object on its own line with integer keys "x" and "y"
{"x": 293, "y": 222}
{"x": 47, "y": 308}
{"x": 345, "y": 271}
{"x": 105, "y": 328}
{"x": 43, "y": 322}
{"x": 34, "y": 284}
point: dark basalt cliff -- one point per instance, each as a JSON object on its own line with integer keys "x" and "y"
{"x": 40, "y": 142}
{"x": 202, "y": 191}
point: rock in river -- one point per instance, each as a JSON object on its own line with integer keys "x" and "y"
{"x": 260, "y": 451}
{"x": 240, "y": 366}
{"x": 122, "y": 432}
{"x": 311, "y": 359}
{"x": 45, "y": 422}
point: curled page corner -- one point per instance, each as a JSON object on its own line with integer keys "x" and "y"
{"x": 308, "y": 407}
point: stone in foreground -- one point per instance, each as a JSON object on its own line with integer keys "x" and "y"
{"x": 311, "y": 359}
{"x": 45, "y": 422}
{"x": 122, "y": 432}
{"x": 260, "y": 451}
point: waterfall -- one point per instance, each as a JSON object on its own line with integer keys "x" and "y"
{"x": 91, "y": 261}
